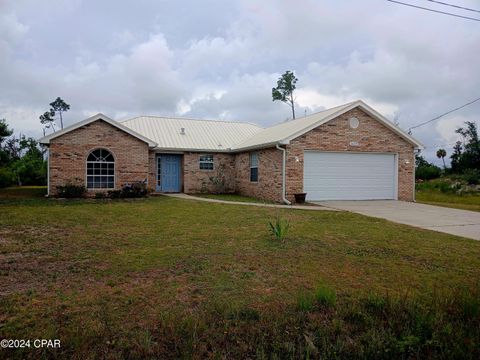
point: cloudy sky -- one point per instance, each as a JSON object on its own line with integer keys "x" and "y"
{"x": 219, "y": 59}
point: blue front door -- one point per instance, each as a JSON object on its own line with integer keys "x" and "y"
{"x": 168, "y": 178}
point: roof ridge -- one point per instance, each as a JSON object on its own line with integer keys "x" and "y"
{"x": 193, "y": 119}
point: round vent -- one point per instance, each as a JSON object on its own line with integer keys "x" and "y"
{"x": 354, "y": 122}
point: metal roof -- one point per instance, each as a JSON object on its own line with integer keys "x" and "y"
{"x": 179, "y": 134}
{"x": 198, "y": 135}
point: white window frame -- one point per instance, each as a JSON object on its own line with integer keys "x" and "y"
{"x": 254, "y": 158}
{"x": 97, "y": 175}
{"x": 203, "y": 161}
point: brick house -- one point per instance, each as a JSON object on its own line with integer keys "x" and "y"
{"x": 349, "y": 152}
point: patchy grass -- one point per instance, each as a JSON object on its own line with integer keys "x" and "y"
{"x": 234, "y": 197}
{"x": 439, "y": 192}
{"x": 170, "y": 278}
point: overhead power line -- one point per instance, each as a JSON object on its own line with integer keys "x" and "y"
{"x": 453, "y": 5}
{"x": 432, "y": 10}
{"x": 442, "y": 115}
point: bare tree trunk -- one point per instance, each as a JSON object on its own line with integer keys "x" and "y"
{"x": 444, "y": 166}
{"x": 293, "y": 105}
{"x": 61, "y": 120}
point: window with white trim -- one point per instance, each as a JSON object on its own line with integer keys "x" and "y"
{"x": 206, "y": 162}
{"x": 100, "y": 170}
{"x": 254, "y": 167}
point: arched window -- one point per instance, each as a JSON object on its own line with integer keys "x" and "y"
{"x": 100, "y": 170}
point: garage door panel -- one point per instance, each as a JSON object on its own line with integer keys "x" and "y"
{"x": 349, "y": 176}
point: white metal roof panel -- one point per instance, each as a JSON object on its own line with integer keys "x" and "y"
{"x": 198, "y": 135}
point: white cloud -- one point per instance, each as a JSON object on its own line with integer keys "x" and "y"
{"x": 401, "y": 61}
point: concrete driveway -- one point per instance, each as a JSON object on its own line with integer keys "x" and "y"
{"x": 451, "y": 221}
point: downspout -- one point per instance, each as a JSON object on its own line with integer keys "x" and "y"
{"x": 48, "y": 171}
{"x": 284, "y": 163}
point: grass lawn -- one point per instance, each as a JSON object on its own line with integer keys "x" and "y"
{"x": 430, "y": 193}
{"x": 466, "y": 202}
{"x": 234, "y": 197}
{"x": 165, "y": 277}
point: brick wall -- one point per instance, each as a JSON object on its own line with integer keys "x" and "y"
{"x": 336, "y": 135}
{"x": 134, "y": 161}
{"x": 68, "y": 154}
{"x": 269, "y": 184}
{"x": 196, "y": 180}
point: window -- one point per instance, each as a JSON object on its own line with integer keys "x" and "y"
{"x": 254, "y": 167}
{"x": 100, "y": 170}
{"x": 206, "y": 162}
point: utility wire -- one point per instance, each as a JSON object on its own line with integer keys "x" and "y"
{"x": 453, "y": 5}
{"x": 442, "y": 115}
{"x": 432, "y": 10}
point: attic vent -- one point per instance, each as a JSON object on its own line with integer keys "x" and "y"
{"x": 182, "y": 131}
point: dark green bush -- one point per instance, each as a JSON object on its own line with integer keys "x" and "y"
{"x": 133, "y": 190}
{"x": 71, "y": 190}
{"x": 427, "y": 172}
{"x": 6, "y": 177}
{"x": 115, "y": 194}
{"x": 472, "y": 176}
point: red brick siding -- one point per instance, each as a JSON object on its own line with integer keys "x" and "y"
{"x": 68, "y": 154}
{"x": 152, "y": 170}
{"x": 336, "y": 135}
{"x": 196, "y": 180}
{"x": 269, "y": 185}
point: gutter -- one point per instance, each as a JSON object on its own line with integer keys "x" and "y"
{"x": 284, "y": 162}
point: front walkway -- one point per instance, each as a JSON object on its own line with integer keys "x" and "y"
{"x": 297, "y": 207}
{"x": 451, "y": 221}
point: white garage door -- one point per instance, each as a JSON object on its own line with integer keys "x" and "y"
{"x": 349, "y": 176}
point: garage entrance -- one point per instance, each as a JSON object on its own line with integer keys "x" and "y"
{"x": 349, "y": 176}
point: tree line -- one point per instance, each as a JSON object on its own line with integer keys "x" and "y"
{"x": 22, "y": 159}
{"x": 464, "y": 157}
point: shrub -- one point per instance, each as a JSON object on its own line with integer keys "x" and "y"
{"x": 100, "y": 195}
{"x": 472, "y": 176}
{"x": 6, "y": 177}
{"x": 71, "y": 190}
{"x": 427, "y": 172}
{"x": 279, "y": 228}
{"x": 115, "y": 194}
{"x": 134, "y": 190}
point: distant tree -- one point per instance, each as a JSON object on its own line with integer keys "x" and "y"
{"x": 425, "y": 170}
{"x": 470, "y": 158}
{"x": 456, "y": 157}
{"x": 5, "y": 133}
{"x": 59, "y": 106}
{"x": 47, "y": 120}
{"x": 29, "y": 168}
{"x": 284, "y": 90}
{"x": 441, "y": 153}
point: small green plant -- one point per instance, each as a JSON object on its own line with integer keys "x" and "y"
{"x": 325, "y": 296}
{"x": 305, "y": 301}
{"x": 279, "y": 228}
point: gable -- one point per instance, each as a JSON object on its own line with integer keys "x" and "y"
{"x": 96, "y": 133}
{"x": 46, "y": 139}
{"x": 338, "y": 135}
